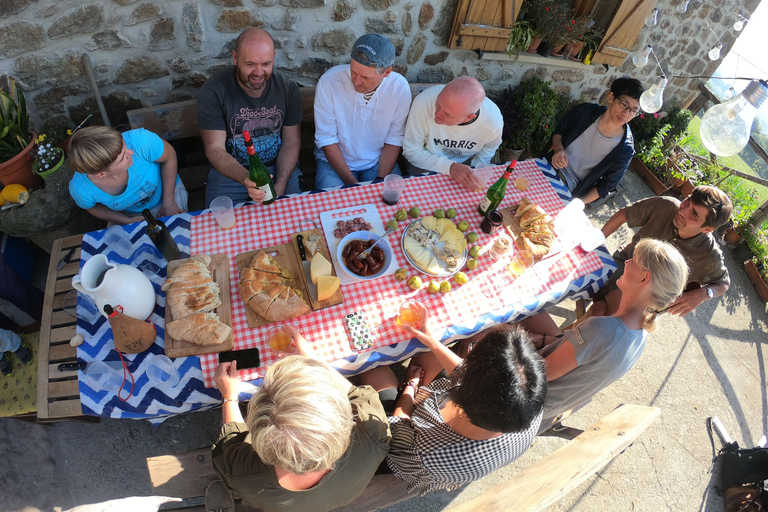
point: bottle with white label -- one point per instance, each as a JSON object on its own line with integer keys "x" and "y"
{"x": 257, "y": 172}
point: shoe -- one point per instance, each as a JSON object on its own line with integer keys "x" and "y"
{"x": 6, "y": 364}
{"x": 24, "y": 352}
{"x": 218, "y": 498}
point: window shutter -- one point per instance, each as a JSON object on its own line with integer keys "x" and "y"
{"x": 484, "y": 24}
{"x": 623, "y": 31}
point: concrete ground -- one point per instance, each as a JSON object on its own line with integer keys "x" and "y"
{"x": 711, "y": 362}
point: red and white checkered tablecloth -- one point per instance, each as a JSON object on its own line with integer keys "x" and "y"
{"x": 490, "y": 286}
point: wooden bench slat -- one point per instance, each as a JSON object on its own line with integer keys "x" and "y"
{"x": 64, "y": 389}
{"x": 382, "y": 491}
{"x": 62, "y": 318}
{"x": 62, "y": 352}
{"x": 53, "y": 371}
{"x": 65, "y": 333}
{"x": 71, "y": 268}
{"x": 550, "y": 479}
{"x": 63, "y": 285}
{"x": 45, "y": 332}
{"x": 64, "y": 409}
{"x": 184, "y": 475}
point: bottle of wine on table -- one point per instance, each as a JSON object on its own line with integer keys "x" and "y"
{"x": 257, "y": 172}
{"x": 496, "y": 192}
{"x": 161, "y": 237}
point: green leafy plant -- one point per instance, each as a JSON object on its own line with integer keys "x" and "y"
{"x": 14, "y": 122}
{"x": 520, "y": 38}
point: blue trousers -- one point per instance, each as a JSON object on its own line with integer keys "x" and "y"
{"x": 326, "y": 177}
{"x": 219, "y": 185}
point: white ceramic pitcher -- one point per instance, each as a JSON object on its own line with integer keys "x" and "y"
{"x": 116, "y": 285}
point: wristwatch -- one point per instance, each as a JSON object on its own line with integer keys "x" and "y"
{"x": 710, "y": 293}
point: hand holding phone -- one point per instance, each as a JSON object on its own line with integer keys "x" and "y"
{"x": 247, "y": 358}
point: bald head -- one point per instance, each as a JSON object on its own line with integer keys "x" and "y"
{"x": 459, "y": 101}
{"x": 256, "y": 36}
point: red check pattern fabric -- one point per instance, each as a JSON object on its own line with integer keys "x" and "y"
{"x": 490, "y": 286}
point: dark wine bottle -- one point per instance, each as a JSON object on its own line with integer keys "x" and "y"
{"x": 257, "y": 172}
{"x": 496, "y": 192}
{"x": 160, "y": 235}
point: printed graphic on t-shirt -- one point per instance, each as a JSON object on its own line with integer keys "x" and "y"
{"x": 264, "y": 125}
{"x": 454, "y": 148}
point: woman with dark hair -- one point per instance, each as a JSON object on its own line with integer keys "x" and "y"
{"x": 454, "y": 430}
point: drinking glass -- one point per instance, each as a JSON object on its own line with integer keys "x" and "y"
{"x": 279, "y": 340}
{"x": 393, "y": 187}
{"x": 88, "y": 311}
{"x": 161, "y": 372}
{"x": 483, "y": 173}
{"x": 103, "y": 377}
{"x": 117, "y": 241}
{"x": 409, "y": 314}
{"x": 517, "y": 266}
{"x": 223, "y": 211}
{"x": 501, "y": 246}
{"x": 146, "y": 259}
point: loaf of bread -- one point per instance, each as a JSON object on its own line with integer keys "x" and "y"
{"x": 265, "y": 288}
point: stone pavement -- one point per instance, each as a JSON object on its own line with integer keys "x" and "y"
{"x": 711, "y": 362}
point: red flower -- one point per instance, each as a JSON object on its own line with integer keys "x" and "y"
{"x": 546, "y": 8}
{"x": 642, "y": 116}
{"x": 546, "y": 126}
{"x": 573, "y": 22}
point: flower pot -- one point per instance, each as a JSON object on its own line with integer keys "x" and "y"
{"x": 650, "y": 179}
{"x": 545, "y": 48}
{"x": 509, "y": 154}
{"x": 574, "y": 50}
{"x": 47, "y": 173}
{"x": 757, "y": 280}
{"x": 732, "y": 236}
{"x": 557, "y": 51}
{"x": 534, "y": 44}
{"x": 686, "y": 188}
{"x": 588, "y": 57}
{"x": 742, "y": 252}
{"x": 18, "y": 170}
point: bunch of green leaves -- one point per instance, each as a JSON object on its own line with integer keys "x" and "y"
{"x": 653, "y": 152}
{"x": 743, "y": 196}
{"x": 549, "y": 18}
{"x": 757, "y": 241}
{"x": 14, "y": 122}
{"x": 520, "y": 38}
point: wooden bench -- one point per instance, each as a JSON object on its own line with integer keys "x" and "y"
{"x": 177, "y": 123}
{"x": 188, "y": 474}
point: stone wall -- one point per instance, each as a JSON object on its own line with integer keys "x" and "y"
{"x": 147, "y": 52}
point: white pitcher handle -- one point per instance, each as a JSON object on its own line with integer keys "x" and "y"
{"x": 77, "y": 286}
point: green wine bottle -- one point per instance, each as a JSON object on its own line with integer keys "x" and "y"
{"x": 258, "y": 173}
{"x": 161, "y": 237}
{"x": 496, "y": 192}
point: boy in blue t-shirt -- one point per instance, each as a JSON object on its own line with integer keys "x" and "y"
{"x": 119, "y": 175}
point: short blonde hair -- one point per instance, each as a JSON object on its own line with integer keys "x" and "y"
{"x": 669, "y": 275}
{"x": 93, "y": 149}
{"x": 300, "y": 419}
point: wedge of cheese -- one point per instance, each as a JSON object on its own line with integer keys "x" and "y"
{"x": 429, "y": 222}
{"x": 441, "y": 225}
{"x": 327, "y": 286}
{"x": 452, "y": 234}
{"x": 434, "y": 266}
{"x": 320, "y": 267}
{"x": 456, "y": 245}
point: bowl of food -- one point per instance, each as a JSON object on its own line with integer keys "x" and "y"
{"x": 374, "y": 265}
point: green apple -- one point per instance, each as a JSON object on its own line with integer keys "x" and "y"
{"x": 400, "y": 274}
{"x": 401, "y": 214}
{"x": 434, "y": 287}
{"x": 439, "y": 213}
{"x": 463, "y": 226}
{"x": 450, "y": 213}
{"x": 471, "y": 263}
{"x": 414, "y": 212}
{"x": 474, "y": 251}
{"x": 445, "y": 287}
{"x": 391, "y": 224}
{"x": 414, "y": 283}
{"x": 471, "y": 237}
{"x": 460, "y": 277}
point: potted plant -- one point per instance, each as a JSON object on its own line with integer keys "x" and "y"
{"x": 16, "y": 139}
{"x": 521, "y": 38}
{"x": 756, "y": 266}
{"x": 548, "y": 19}
{"x": 49, "y": 157}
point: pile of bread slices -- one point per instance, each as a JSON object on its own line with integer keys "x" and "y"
{"x": 192, "y": 296}
{"x": 537, "y": 236}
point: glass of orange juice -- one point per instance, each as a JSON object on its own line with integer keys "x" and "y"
{"x": 409, "y": 314}
{"x": 517, "y": 266}
{"x": 279, "y": 340}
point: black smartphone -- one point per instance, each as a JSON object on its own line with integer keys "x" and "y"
{"x": 247, "y": 358}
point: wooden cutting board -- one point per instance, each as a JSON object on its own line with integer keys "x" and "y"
{"x": 285, "y": 255}
{"x": 510, "y": 222}
{"x": 219, "y": 268}
{"x": 322, "y": 247}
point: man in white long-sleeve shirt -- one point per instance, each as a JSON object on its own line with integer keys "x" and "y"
{"x": 452, "y": 127}
{"x": 360, "y": 112}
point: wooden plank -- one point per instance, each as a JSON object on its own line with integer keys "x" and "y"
{"x": 459, "y": 19}
{"x": 486, "y": 31}
{"x": 170, "y": 121}
{"x": 476, "y": 11}
{"x": 550, "y": 479}
{"x": 71, "y": 268}
{"x": 63, "y": 285}
{"x": 219, "y": 268}
{"x": 382, "y": 491}
{"x": 45, "y": 332}
{"x": 61, "y": 318}
{"x": 64, "y": 389}
{"x": 322, "y": 247}
{"x": 626, "y": 24}
{"x": 62, "y": 352}
{"x": 494, "y": 17}
{"x": 73, "y": 240}
{"x": 307, "y": 105}
{"x": 64, "y": 409}
{"x": 53, "y": 371}
{"x": 184, "y": 475}
{"x": 65, "y": 333}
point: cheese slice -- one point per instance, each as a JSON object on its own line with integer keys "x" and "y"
{"x": 320, "y": 267}
{"x": 327, "y": 286}
{"x": 429, "y": 222}
{"x": 434, "y": 266}
{"x": 456, "y": 245}
{"x": 411, "y": 245}
{"x": 441, "y": 225}
{"x": 451, "y": 234}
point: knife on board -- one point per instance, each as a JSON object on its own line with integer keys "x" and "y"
{"x": 65, "y": 259}
{"x": 312, "y": 287}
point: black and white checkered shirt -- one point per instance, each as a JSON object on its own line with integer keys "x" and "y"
{"x": 430, "y": 455}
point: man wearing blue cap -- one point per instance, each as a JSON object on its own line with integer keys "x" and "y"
{"x": 360, "y": 113}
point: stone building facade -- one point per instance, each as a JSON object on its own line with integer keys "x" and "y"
{"x": 148, "y": 52}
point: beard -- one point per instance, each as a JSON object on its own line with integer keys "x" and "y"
{"x": 246, "y": 82}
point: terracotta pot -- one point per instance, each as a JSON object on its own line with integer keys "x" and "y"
{"x": 757, "y": 279}
{"x": 557, "y": 51}
{"x": 534, "y": 44}
{"x": 18, "y": 170}
{"x": 686, "y": 188}
{"x": 574, "y": 50}
{"x": 655, "y": 183}
{"x": 732, "y": 236}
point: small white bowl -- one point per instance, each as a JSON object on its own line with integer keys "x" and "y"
{"x": 364, "y": 235}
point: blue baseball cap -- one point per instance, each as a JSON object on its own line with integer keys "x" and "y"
{"x": 374, "y": 51}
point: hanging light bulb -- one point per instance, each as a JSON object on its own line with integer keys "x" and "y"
{"x": 652, "y": 99}
{"x": 714, "y": 53}
{"x": 729, "y": 93}
{"x": 652, "y": 19}
{"x": 682, "y": 7}
{"x": 725, "y": 128}
{"x": 641, "y": 59}
{"x": 739, "y": 24}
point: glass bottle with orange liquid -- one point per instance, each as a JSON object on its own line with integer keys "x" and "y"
{"x": 409, "y": 314}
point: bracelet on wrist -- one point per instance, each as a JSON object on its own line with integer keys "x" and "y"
{"x": 235, "y": 400}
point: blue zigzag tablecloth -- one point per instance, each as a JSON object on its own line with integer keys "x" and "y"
{"x": 147, "y": 401}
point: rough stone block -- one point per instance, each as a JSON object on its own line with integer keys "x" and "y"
{"x": 163, "y": 35}
{"x": 35, "y": 71}
{"x": 590, "y": 94}
{"x": 399, "y": 44}
{"x": 175, "y": 96}
{"x": 390, "y": 17}
{"x": 237, "y": 20}
{"x": 190, "y": 20}
{"x": 58, "y": 94}
{"x": 302, "y": 3}
{"x": 377, "y": 5}
{"x": 696, "y": 67}
{"x": 407, "y": 23}
{"x": 693, "y": 49}
{"x": 265, "y": 3}
{"x": 343, "y": 11}
{"x": 107, "y": 40}
{"x": 138, "y": 69}
{"x": 87, "y": 18}
{"x": 227, "y": 3}
{"x": 482, "y": 74}
{"x": 227, "y": 49}
{"x": 539, "y": 72}
{"x": 336, "y": 41}
{"x": 196, "y": 79}
{"x": 288, "y": 22}
{"x": 117, "y": 104}
{"x": 400, "y": 68}
{"x": 219, "y": 67}
{"x": 601, "y": 70}
{"x": 442, "y": 27}
{"x": 568, "y": 75}
{"x": 10, "y": 7}
{"x": 143, "y": 12}
{"x": 435, "y": 58}
{"x": 177, "y": 82}
{"x": 506, "y": 75}
{"x": 314, "y": 67}
{"x": 562, "y": 90}
{"x": 416, "y": 49}
{"x": 464, "y": 71}
{"x": 19, "y": 37}
{"x": 125, "y": 2}
{"x": 375, "y": 25}
{"x": 47, "y": 11}
{"x": 438, "y": 75}
{"x": 179, "y": 64}
{"x": 426, "y": 15}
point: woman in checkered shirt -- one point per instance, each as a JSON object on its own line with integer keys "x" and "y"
{"x": 481, "y": 416}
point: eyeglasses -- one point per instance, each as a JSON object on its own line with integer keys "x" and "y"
{"x": 626, "y": 107}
